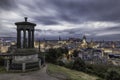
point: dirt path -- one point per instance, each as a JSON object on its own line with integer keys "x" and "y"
{"x": 35, "y": 75}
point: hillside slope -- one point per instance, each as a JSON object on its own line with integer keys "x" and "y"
{"x": 67, "y": 74}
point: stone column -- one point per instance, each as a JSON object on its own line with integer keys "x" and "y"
{"x": 24, "y": 38}
{"x": 32, "y": 38}
{"x": 18, "y": 38}
{"x": 29, "y": 38}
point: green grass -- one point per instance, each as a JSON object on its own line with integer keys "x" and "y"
{"x": 70, "y": 74}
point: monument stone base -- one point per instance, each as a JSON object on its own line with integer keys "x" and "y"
{"x": 25, "y": 59}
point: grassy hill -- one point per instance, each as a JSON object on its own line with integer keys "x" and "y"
{"x": 67, "y": 74}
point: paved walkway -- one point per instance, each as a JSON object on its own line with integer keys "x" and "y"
{"x": 35, "y": 75}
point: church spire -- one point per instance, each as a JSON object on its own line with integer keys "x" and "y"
{"x": 59, "y": 38}
{"x": 84, "y": 37}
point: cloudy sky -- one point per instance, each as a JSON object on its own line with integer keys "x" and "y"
{"x": 97, "y": 19}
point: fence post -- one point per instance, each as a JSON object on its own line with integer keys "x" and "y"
{"x": 8, "y": 65}
{"x": 23, "y": 67}
{"x": 40, "y": 63}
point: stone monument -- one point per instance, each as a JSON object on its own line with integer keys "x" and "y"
{"x": 25, "y": 56}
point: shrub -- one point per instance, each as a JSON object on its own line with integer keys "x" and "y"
{"x": 97, "y": 69}
{"x": 60, "y": 63}
{"x": 112, "y": 74}
{"x": 69, "y": 64}
{"x": 1, "y": 61}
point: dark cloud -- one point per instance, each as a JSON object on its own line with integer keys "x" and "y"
{"x": 47, "y": 20}
{"x": 79, "y": 10}
{"x": 62, "y": 13}
{"x": 108, "y": 37}
{"x": 76, "y": 11}
{"x": 7, "y": 4}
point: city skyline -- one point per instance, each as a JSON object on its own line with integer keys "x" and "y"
{"x": 66, "y": 18}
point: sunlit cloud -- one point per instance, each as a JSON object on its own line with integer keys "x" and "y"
{"x": 108, "y": 33}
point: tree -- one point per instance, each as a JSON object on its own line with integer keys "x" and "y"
{"x": 79, "y": 64}
{"x": 75, "y": 53}
{"x": 51, "y": 56}
{"x": 54, "y": 54}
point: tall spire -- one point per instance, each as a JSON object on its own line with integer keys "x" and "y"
{"x": 84, "y": 37}
{"x": 91, "y": 39}
{"x": 59, "y": 38}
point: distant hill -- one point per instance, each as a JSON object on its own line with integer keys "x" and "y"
{"x": 8, "y": 38}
